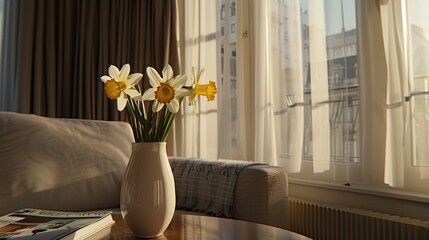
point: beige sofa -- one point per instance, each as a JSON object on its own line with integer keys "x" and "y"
{"x": 77, "y": 165}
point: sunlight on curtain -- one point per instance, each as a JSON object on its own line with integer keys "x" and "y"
{"x": 214, "y": 34}
{"x": 319, "y": 86}
{"x": 195, "y": 131}
{"x": 291, "y": 136}
{"x": 418, "y": 47}
{"x": 266, "y": 63}
{"x": 287, "y": 75}
{"x": 396, "y": 111}
{"x": 311, "y": 54}
{"x": 395, "y": 106}
{"x": 417, "y": 50}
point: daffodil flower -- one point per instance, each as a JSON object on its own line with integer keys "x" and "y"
{"x": 120, "y": 84}
{"x": 208, "y": 90}
{"x": 166, "y": 90}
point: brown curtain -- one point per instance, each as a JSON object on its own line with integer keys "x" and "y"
{"x": 55, "y": 51}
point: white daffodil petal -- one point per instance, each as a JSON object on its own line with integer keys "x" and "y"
{"x": 199, "y": 75}
{"x": 154, "y": 79}
{"x": 132, "y": 92}
{"x": 138, "y": 98}
{"x": 192, "y": 98}
{"x": 157, "y": 106}
{"x": 194, "y": 71}
{"x": 182, "y": 92}
{"x": 122, "y": 102}
{"x": 133, "y": 79}
{"x": 105, "y": 78}
{"x": 201, "y": 72}
{"x": 114, "y": 72}
{"x": 167, "y": 73}
{"x": 149, "y": 94}
{"x": 125, "y": 71}
{"x": 178, "y": 81}
{"x": 173, "y": 106}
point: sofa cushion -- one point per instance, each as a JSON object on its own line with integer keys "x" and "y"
{"x": 61, "y": 164}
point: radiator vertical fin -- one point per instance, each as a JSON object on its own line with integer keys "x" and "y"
{"x": 334, "y": 223}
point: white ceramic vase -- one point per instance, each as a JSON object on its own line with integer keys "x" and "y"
{"x": 148, "y": 196}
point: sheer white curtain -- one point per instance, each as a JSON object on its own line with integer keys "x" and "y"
{"x": 398, "y": 129}
{"x": 265, "y": 65}
{"x": 280, "y": 79}
{"x": 402, "y": 108}
{"x": 394, "y": 143}
{"x": 195, "y": 131}
{"x": 372, "y": 66}
{"x": 277, "y": 126}
{"x": 281, "y": 105}
{"x": 319, "y": 86}
{"x": 213, "y": 36}
{"x": 290, "y": 121}
{"x": 270, "y": 73}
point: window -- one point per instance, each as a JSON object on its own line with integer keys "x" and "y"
{"x": 340, "y": 37}
{"x": 232, "y": 9}
{"x": 304, "y": 72}
{"x": 342, "y": 98}
{"x": 233, "y": 28}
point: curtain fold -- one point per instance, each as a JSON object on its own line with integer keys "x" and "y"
{"x": 389, "y": 142}
{"x": 292, "y": 132}
{"x": 56, "y": 52}
{"x": 319, "y": 87}
{"x": 8, "y": 88}
{"x": 397, "y": 110}
{"x": 372, "y": 65}
{"x": 264, "y": 46}
{"x": 195, "y": 131}
{"x": 280, "y": 78}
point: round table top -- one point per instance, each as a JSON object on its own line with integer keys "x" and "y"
{"x": 184, "y": 226}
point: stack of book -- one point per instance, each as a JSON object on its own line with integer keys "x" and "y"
{"x": 37, "y": 224}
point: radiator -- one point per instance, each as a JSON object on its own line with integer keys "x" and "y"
{"x": 335, "y": 223}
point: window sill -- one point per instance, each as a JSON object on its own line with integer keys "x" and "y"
{"x": 362, "y": 189}
{"x": 384, "y": 200}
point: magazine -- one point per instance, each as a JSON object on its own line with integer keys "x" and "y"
{"x": 37, "y": 224}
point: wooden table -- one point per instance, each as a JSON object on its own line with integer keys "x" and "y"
{"x": 202, "y": 228}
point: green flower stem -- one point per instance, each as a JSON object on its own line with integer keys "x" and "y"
{"x": 160, "y": 124}
{"x": 149, "y": 126}
{"x": 170, "y": 119}
{"x": 149, "y": 123}
{"x": 133, "y": 121}
{"x": 144, "y": 122}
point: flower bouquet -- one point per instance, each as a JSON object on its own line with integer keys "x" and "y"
{"x": 151, "y": 114}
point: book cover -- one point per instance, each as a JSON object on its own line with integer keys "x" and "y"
{"x": 35, "y": 224}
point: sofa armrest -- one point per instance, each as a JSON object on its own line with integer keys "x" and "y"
{"x": 261, "y": 195}
{"x": 233, "y": 189}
